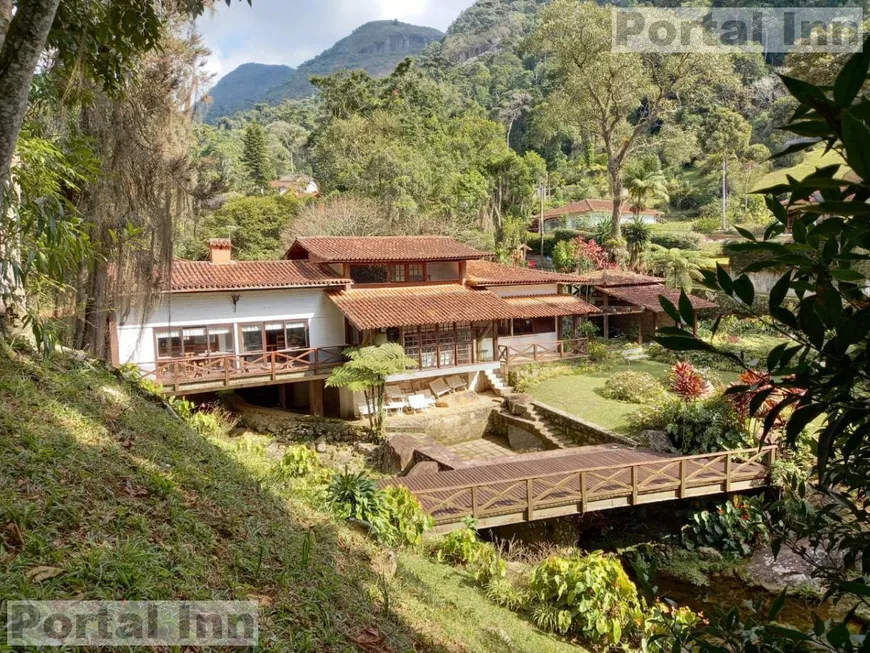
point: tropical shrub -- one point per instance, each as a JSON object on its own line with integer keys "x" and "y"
{"x": 599, "y": 353}
{"x": 707, "y": 225}
{"x": 698, "y": 426}
{"x": 669, "y": 628}
{"x": 354, "y": 496}
{"x": 591, "y": 256}
{"x": 299, "y": 460}
{"x": 735, "y": 528}
{"x": 633, "y": 387}
{"x": 404, "y": 520}
{"x": 565, "y": 256}
{"x": 464, "y": 547}
{"x": 503, "y": 592}
{"x": 676, "y": 240}
{"x": 589, "y": 595}
{"x": 686, "y": 382}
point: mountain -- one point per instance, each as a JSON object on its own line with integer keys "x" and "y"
{"x": 376, "y": 47}
{"x": 486, "y": 25}
{"x": 251, "y": 80}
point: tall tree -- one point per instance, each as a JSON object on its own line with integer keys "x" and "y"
{"x": 256, "y": 156}
{"x": 619, "y": 97}
{"x": 727, "y": 139}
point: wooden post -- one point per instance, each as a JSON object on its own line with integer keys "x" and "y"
{"x": 530, "y": 499}
{"x": 606, "y": 320}
{"x": 455, "y": 345}
{"x": 634, "y": 485}
{"x": 583, "y": 492}
{"x": 683, "y": 487}
{"x": 273, "y": 365}
{"x": 474, "y": 501}
{"x": 640, "y": 328}
{"x": 175, "y": 374}
{"x": 315, "y": 397}
{"x": 226, "y": 372}
{"x": 728, "y": 472}
{"x": 437, "y": 347}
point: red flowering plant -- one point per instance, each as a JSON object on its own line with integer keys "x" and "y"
{"x": 686, "y": 382}
{"x": 755, "y": 396}
{"x": 591, "y": 256}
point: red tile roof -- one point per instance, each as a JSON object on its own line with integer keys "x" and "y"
{"x": 609, "y": 278}
{"x": 373, "y": 249}
{"x": 549, "y": 306}
{"x": 485, "y": 273}
{"x": 202, "y": 276}
{"x": 376, "y": 308}
{"x": 648, "y": 297}
{"x": 593, "y": 206}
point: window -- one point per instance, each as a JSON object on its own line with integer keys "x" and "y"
{"x": 397, "y": 273}
{"x": 195, "y": 341}
{"x": 524, "y": 327}
{"x": 369, "y": 274}
{"x": 169, "y": 344}
{"x": 274, "y": 336}
{"x": 416, "y": 272}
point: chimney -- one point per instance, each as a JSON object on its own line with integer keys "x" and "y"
{"x": 220, "y": 251}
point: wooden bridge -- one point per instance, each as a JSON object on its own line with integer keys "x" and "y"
{"x": 586, "y": 480}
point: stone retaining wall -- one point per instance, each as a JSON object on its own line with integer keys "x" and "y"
{"x": 579, "y": 430}
{"x": 292, "y": 427}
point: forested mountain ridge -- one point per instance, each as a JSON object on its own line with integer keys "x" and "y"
{"x": 233, "y": 92}
{"x": 376, "y": 47}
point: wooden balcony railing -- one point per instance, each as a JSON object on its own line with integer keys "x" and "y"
{"x": 563, "y": 349}
{"x": 678, "y": 477}
{"x": 227, "y": 370}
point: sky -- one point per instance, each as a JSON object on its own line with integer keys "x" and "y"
{"x": 292, "y": 31}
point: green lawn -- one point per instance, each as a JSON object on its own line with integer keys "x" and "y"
{"x": 579, "y": 394}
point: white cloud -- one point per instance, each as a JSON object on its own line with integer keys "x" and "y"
{"x": 291, "y": 32}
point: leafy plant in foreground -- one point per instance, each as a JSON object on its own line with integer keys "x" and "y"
{"x": 735, "y": 528}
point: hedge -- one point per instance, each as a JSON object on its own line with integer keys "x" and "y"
{"x": 676, "y": 240}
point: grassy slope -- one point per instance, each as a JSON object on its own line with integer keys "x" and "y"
{"x": 124, "y": 502}
{"x": 813, "y": 160}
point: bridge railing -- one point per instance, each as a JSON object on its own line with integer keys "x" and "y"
{"x": 629, "y": 480}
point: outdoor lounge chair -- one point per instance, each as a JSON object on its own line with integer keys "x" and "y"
{"x": 421, "y": 402}
{"x": 363, "y": 409}
{"x": 393, "y": 402}
{"x": 439, "y": 387}
{"x": 456, "y": 383}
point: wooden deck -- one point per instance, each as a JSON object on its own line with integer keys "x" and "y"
{"x": 592, "y": 479}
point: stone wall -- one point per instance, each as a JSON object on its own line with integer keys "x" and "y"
{"x": 520, "y": 433}
{"x": 292, "y": 427}
{"x": 447, "y": 427}
{"x": 579, "y": 430}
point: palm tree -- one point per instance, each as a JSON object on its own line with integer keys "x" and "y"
{"x": 680, "y": 267}
{"x": 637, "y": 239}
{"x": 645, "y": 185}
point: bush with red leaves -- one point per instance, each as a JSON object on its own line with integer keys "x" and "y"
{"x": 686, "y": 382}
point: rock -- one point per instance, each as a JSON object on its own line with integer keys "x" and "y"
{"x": 386, "y": 563}
{"x": 788, "y": 570}
{"x": 320, "y": 444}
{"x": 424, "y": 469}
{"x": 519, "y": 405}
{"x": 658, "y": 441}
{"x": 709, "y": 554}
{"x": 365, "y": 448}
{"x": 397, "y": 454}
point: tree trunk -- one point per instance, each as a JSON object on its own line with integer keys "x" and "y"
{"x": 23, "y": 45}
{"x": 724, "y": 194}
{"x": 5, "y": 19}
{"x": 616, "y": 188}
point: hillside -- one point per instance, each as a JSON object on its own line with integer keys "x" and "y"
{"x": 486, "y": 24}
{"x": 107, "y": 496}
{"x": 376, "y": 47}
{"x": 251, "y": 80}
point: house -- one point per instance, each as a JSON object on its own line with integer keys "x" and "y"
{"x": 282, "y": 326}
{"x": 589, "y": 213}
{"x": 630, "y": 303}
{"x": 300, "y": 185}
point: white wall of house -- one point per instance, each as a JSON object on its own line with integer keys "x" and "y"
{"x": 518, "y": 291}
{"x": 326, "y": 323}
{"x": 531, "y": 339}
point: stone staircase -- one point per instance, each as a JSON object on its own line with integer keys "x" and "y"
{"x": 551, "y": 432}
{"x": 497, "y": 383}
